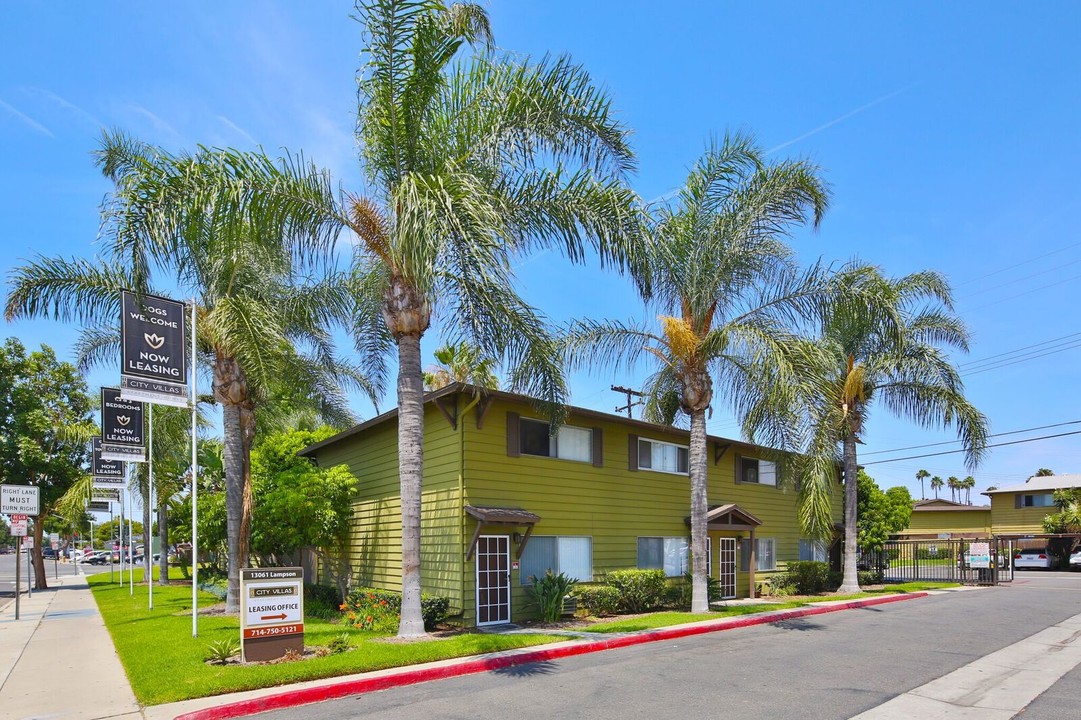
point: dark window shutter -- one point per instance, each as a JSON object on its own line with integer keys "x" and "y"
{"x": 514, "y": 448}
{"x": 1018, "y": 500}
{"x": 738, "y": 472}
{"x": 632, "y": 452}
{"x": 598, "y": 447}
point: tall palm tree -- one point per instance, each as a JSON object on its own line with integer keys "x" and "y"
{"x": 891, "y": 354}
{"x": 240, "y": 233}
{"x": 472, "y": 160}
{"x": 727, "y": 292}
{"x": 462, "y": 363}
{"x": 969, "y": 483}
{"x": 922, "y": 475}
{"x": 954, "y": 483}
{"x": 936, "y": 484}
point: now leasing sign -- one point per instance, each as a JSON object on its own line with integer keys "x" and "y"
{"x": 154, "y": 364}
{"x": 121, "y": 428}
{"x": 272, "y": 621}
{"x": 107, "y": 473}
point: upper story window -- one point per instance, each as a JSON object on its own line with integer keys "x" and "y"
{"x": 569, "y": 443}
{"x": 662, "y": 456}
{"x": 762, "y": 472}
{"x": 1041, "y": 500}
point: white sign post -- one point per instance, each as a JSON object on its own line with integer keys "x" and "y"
{"x": 19, "y": 500}
{"x": 272, "y": 619}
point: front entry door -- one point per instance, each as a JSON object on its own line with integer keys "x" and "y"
{"x": 493, "y": 579}
{"x": 726, "y": 568}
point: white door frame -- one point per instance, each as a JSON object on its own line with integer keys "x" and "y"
{"x": 721, "y": 564}
{"x": 476, "y": 573}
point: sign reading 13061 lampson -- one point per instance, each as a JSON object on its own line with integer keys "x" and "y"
{"x": 121, "y": 428}
{"x": 272, "y": 620}
{"x": 154, "y": 363}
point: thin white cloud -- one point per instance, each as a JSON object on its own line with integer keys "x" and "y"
{"x": 237, "y": 129}
{"x": 838, "y": 119}
{"x": 160, "y": 125}
{"x": 26, "y": 119}
{"x": 67, "y": 105}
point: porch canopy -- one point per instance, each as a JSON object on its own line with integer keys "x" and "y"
{"x": 487, "y": 515}
{"x": 733, "y": 518}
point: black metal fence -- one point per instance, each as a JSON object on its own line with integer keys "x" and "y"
{"x": 942, "y": 560}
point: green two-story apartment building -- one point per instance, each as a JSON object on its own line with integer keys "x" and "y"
{"x": 504, "y": 499}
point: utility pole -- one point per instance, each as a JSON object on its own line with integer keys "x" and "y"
{"x": 630, "y": 403}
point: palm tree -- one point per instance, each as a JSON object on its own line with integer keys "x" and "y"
{"x": 472, "y": 161}
{"x": 888, "y": 351}
{"x": 955, "y": 488}
{"x": 922, "y": 475}
{"x": 461, "y": 363}
{"x": 936, "y": 484}
{"x": 727, "y": 291}
{"x": 240, "y": 233}
{"x": 968, "y": 483}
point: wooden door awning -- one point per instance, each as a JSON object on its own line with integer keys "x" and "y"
{"x": 486, "y": 515}
{"x": 729, "y": 517}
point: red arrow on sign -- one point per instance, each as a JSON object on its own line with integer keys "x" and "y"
{"x": 273, "y": 617}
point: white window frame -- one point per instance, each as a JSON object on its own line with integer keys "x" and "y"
{"x": 758, "y": 554}
{"x": 523, "y": 578}
{"x": 817, "y": 547}
{"x": 685, "y": 558}
{"x": 553, "y": 441}
{"x": 758, "y": 472}
{"x": 669, "y": 444}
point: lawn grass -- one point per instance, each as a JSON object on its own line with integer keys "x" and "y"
{"x": 668, "y": 618}
{"x": 165, "y": 664}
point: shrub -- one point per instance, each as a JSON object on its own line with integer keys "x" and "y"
{"x": 807, "y": 577}
{"x": 639, "y": 590}
{"x": 380, "y": 610}
{"x": 339, "y": 644}
{"x": 321, "y": 601}
{"x": 681, "y": 590}
{"x": 220, "y": 651}
{"x": 548, "y": 592}
{"x": 599, "y": 600}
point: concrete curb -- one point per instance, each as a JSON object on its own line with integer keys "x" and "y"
{"x": 338, "y": 690}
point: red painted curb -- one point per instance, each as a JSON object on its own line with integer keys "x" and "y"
{"x": 470, "y": 667}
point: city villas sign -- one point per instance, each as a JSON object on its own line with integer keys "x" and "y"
{"x": 153, "y": 361}
{"x": 107, "y": 473}
{"x": 272, "y": 619}
{"x": 121, "y": 428}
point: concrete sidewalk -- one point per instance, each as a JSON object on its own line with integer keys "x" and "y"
{"x": 57, "y": 660}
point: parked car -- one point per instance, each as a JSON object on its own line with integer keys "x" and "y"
{"x": 1032, "y": 558}
{"x": 95, "y": 558}
{"x": 1075, "y": 560}
{"x": 48, "y": 552}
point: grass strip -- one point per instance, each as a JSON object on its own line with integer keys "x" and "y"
{"x": 164, "y": 663}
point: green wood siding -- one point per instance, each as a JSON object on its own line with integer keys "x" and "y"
{"x": 1007, "y": 519}
{"x": 961, "y": 522}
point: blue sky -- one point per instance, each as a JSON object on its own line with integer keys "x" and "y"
{"x": 948, "y": 133}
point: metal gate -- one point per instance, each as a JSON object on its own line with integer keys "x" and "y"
{"x": 941, "y": 560}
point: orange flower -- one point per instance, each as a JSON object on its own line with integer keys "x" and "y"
{"x": 343, "y": 606}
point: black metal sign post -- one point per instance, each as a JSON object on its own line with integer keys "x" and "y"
{"x": 153, "y": 359}
{"x": 121, "y": 428}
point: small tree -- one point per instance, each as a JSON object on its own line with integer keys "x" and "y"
{"x": 1044, "y": 472}
{"x": 880, "y": 514}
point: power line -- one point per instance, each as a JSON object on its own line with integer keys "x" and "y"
{"x": 1037, "y": 356}
{"x": 989, "y": 358}
{"x": 950, "y": 442}
{"x": 951, "y": 452}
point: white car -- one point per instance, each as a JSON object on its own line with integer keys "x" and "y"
{"x": 1032, "y": 558}
{"x": 1075, "y": 559}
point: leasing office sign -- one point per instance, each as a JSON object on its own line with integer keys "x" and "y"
{"x": 121, "y": 428}
{"x": 154, "y": 365}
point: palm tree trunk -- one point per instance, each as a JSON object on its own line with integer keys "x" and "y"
{"x": 411, "y": 468}
{"x": 163, "y": 541}
{"x": 247, "y": 432}
{"x": 697, "y": 469}
{"x": 234, "y": 499}
{"x": 851, "y": 582}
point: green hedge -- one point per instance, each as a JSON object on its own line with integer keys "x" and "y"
{"x": 599, "y": 600}
{"x": 639, "y": 590}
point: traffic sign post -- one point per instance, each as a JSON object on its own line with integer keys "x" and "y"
{"x": 19, "y": 500}
{"x": 272, "y": 619}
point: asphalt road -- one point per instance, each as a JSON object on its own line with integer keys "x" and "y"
{"x": 825, "y": 667}
{"x": 7, "y": 574}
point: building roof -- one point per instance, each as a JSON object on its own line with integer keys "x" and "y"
{"x": 455, "y": 388}
{"x": 1044, "y": 484}
{"x": 940, "y": 505}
